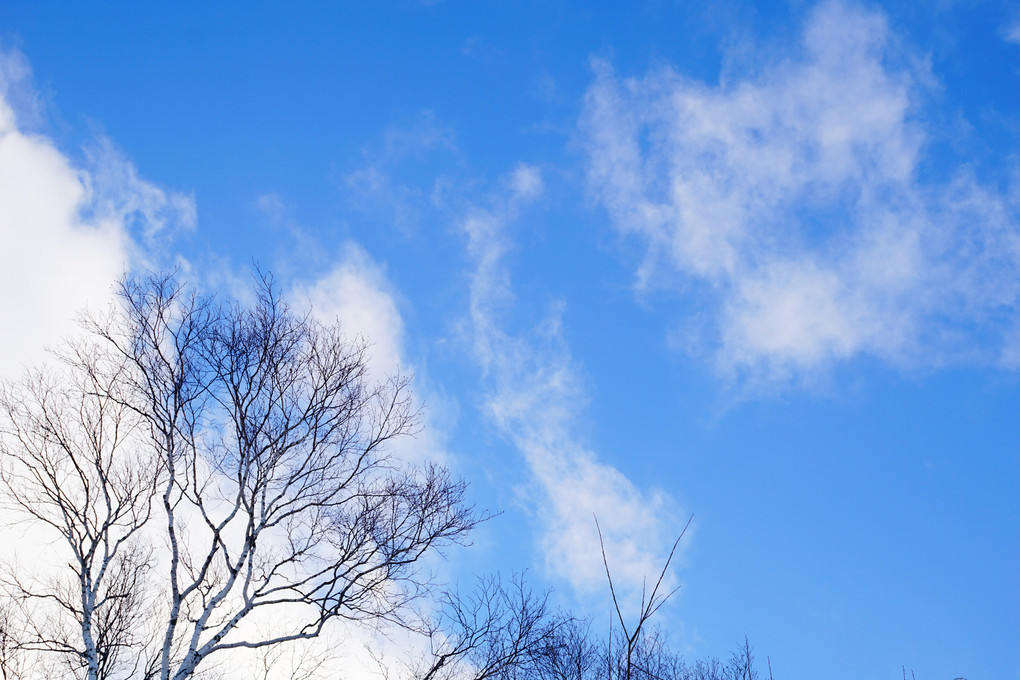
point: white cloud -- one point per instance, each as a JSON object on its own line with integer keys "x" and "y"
{"x": 358, "y": 293}
{"x": 68, "y": 231}
{"x": 1013, "y": 32}
{"x": 535, "y": 398}
{"x": 792, "y": 199}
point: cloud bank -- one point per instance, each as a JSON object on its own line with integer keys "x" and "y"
{"x": 68, "y": 230}
{"x": 796, "y": 203}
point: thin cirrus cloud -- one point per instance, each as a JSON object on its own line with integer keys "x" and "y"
{"x": 533, "y": 389}
{"x": 1013, "y": 32}
{"x": 793, "y": 200}
{"x": 68, "y": 230}
{"x": 534, "y": 398}
{"x": 377, "y": 188}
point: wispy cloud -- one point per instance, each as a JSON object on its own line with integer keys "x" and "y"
{"x": 1013, "y": 32}
{"x": 534, "y": 394}
{"x": 535, "y": 397}
{"x": 795, "y": 200}
{"x": 68, "y": 230}
{"x": 379, "y": 185}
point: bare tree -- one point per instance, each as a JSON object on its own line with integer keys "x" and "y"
{"x": 650, "y": 604}
{"x": 71, "y": 472}
{"x": 12, "y": 658}
{"x": 258, "y": 436}
{"x": 741, "y": 666}
{"x": 576, "y": 654}
{"x": 505, "y": 631}
{"x": 642, "y": 651}
{"x": 499, "y": 630}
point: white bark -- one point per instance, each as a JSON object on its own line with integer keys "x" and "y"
{"x": 259, "y": 438}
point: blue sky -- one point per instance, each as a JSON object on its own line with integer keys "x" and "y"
{"x": 758, "y": 262}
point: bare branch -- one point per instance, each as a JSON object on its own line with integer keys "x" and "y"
{"x": 260, "y": 438}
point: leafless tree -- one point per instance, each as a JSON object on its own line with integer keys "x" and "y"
{"x": 498, "y": 630}
{"x": 505, "y": 631}
{"x": 12, "y": 660}
{"x": 650, "y": 604}
{"x": 641, "y": 650}
{"x": 259, "y": 439}
{"x": 71, "y": 474}
{"x": 576, "y": 654}
{"x": 741, "y": 665}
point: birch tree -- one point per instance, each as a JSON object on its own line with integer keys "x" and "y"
{"x": 235, "y": 456}
{"x": 74, "y": 481}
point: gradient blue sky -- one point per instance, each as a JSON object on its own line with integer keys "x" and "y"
{"x": 758, "y": 262}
